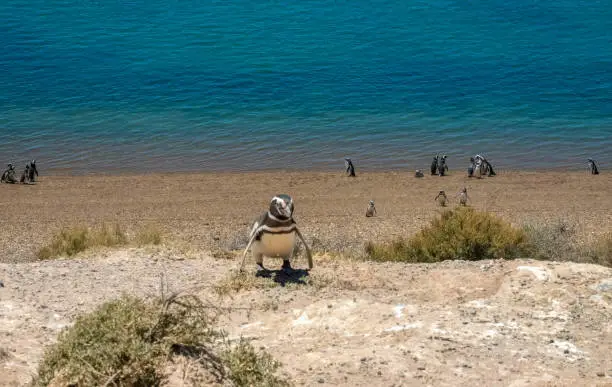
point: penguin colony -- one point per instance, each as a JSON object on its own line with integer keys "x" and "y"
{"x": 275, "y": 233}
{"x": 9, "y": 176}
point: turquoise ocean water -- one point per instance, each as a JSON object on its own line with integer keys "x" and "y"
{"x": 92, "y": 86}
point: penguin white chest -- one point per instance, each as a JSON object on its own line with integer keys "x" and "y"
{"x": 276, "y": 245}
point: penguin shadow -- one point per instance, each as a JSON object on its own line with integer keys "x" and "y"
{"x": 281, "y": 277}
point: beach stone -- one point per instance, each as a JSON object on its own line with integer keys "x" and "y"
{"x": 604, "y": 286}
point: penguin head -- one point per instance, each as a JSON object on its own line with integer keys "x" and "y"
{"x": 281, "y": 206}
{"x": 371, "y": 203}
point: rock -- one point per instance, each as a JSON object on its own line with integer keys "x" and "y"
{"x": 604, "y": 286}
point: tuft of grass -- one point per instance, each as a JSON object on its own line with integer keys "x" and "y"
{"x": 247, "y": 367}
{"x": 461, "y": 233}
{"x": 601, "y": 251}
{"x": 130, "y": 341}
{"x": 74, "y": 240}
{"x": 237, "y": 281}
{"x": 71, "y": 241}
{"x": 148, "y": 235}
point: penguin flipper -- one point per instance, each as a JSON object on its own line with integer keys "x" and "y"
{"x": 308, "y": 252}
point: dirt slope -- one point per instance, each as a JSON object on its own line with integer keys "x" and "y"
{"x": 510, "y": 323}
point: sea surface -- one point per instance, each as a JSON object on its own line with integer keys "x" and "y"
{"x": 94, "y": 86}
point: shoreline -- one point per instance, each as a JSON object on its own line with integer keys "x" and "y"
{"x": 213, "y": 211}
{"x": 339, "y": 170}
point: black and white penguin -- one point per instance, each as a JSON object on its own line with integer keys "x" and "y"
{"x": 434, "y": 165}
{"x": 33, "y": 172}
{"x": 350, "y": 168}
{"x": 442, "y": 167}
{"x": 593, "y": 167}
{"x": 275, "y": 233}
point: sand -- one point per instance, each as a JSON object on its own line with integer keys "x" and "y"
{"x": 507, "y": 323}
{"x": 213, "y": 211}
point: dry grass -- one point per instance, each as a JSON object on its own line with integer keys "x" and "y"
{"x": 601, "y": 251}
{"x": 553, "y": 241}
{"x": 557, "y": 242}
{"x": 248, "y": 367}
{"x": 148, "y": 235}
{"x": 461, "y": 233}
{"x": 237, "y": 281}
{"x": 129, "y": 342}
{"x": 71, "y": 241}
{"x": 74, "y": 240}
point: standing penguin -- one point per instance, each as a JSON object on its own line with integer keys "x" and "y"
{"x": 442, "y": 167}
{"x": 33, "y": 171}
{"x": 350, "y": 168}
{"x": 463, "y": 197}
{"x": 434, "y": 165}
{"x": 593, "y": 167}
{"x": 371, "y": 210}
{"x": 471, "y": 167}
{"x": 274, "y": 234}
{"x": 441, "y": 199}
{"x": 25, "y": 176}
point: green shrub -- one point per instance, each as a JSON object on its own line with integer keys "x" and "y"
{"x": 249, "y": 368}
{"x": 461, "y": 233}
{"x": 129, "y": 342}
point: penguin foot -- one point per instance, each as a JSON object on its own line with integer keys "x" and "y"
{"x": 287, "y": 267}
{"x": 262, "y": 271}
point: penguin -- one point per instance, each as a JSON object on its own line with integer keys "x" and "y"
{"x": 33, "y": 171}
{"x": 593, "y": 167}
{"x": 441, "y": 199}
{"x": 275, "y": 233}
{"x": 25, "y": 176}
{"x": 471, "y": 167}
{"x": 350, "y": 168}
{"x": 418, "y": 173}
{"x": 434, "y": 165}
{"x": 371, "y": 210}
{"x": 463, "y": 197}
{"x": 8, "y": 176}
{"x": 442, "y": 167}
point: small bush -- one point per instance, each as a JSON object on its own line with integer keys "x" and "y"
{"x": 250, "y": 368}
{"x": 553, "y": 241}
{"x": 557, "y": 242}
{"x": 148, "y": 235}
{"x": 461, "y": 233}
{"x": 129, "y": 342}
{"x": 77, "y": 239}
